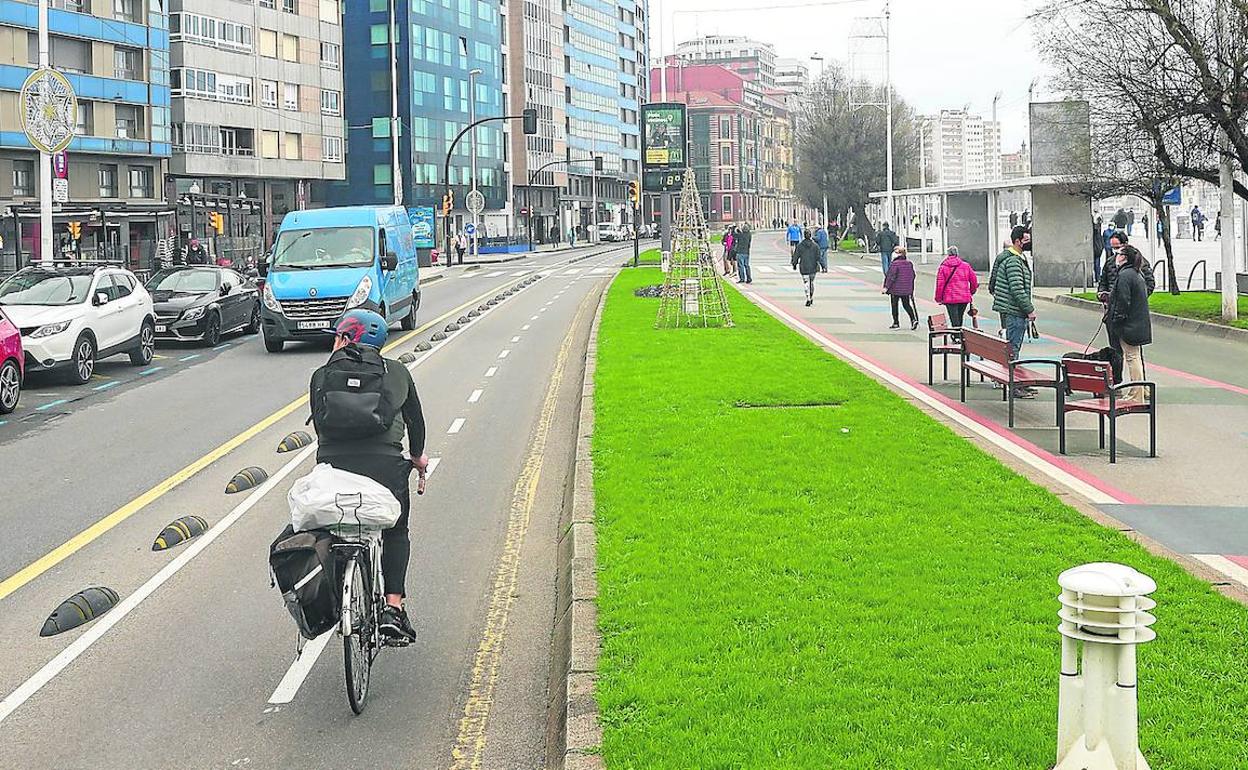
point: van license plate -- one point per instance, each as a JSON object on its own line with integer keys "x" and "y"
{"x": 313, "y": 325}
{"x": 161, "y": 328}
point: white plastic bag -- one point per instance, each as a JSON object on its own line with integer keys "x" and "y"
{"x": 326, "y": 497}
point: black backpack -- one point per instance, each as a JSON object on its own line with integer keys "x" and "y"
{"x": 305, "y": 571}
{"x": 349, "y": 397}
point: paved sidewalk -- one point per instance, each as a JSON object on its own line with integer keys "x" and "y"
{"x": 1193, "y": 497}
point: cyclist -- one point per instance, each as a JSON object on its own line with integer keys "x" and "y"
{"x": 361, "y": 431}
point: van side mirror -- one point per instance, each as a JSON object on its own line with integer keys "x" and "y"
{"x": 390, "y": 262}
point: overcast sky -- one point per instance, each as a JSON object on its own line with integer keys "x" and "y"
{"x": 947, "y": 54}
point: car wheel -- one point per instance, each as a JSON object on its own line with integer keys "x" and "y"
{"x": 409, "y": 321}
{"x": 212, "y": 330}
{"x": 142, "y": 355}
{"x": 254, "y": 325}
{"x": 272, "y": 345}
{"x": 10, "y": 386}
{"x": 82, "y": 366}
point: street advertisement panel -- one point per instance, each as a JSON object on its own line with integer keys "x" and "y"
{"x": 423, "y": 231}
{"x": 664, "y": 136}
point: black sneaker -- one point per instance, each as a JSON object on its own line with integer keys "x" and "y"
{"x": 895, "y": 326}
{"x": 395, "y": 625}
{"x": 1025, "y": 394}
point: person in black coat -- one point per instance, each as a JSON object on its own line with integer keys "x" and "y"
{"x": 806, "y": 258}
{"x": 1127, "y": 317}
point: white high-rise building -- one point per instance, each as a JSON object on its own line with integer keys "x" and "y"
{"x": 751, "y": 59}
{"x": 961, "y": 148}
{"x": 792, "y": 75}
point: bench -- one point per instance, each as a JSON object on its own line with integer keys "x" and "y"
{"x": 942, "y": 340}
{"x": 1096, "y": 378}
{"x": 995, "y": 364}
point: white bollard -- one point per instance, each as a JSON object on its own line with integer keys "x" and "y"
{"x": 665, "y": 262}
{"x": 1104, "y": 608}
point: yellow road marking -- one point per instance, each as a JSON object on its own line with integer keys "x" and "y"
{"x": 470, "y": 745}
{"x": 91, "y": 533}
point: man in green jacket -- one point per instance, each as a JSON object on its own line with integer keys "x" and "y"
{"x": 1010, "y": 286}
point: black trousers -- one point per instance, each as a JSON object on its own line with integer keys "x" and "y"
{"x": 957, "y": 312}
{"x": 908, "y": 301}
{"x": 392, "y": 472}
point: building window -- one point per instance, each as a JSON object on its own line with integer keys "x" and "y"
{"x": 268, "y": 144}
{"x": 207, "y": 30}
{"x": 381, "y": 128}
{"x": 330, "y": 13}
{"x": 331, "y": 149}
{"x": 290, "y": 48}
{"x": 725, "y": 156}
{"x": 381, "y": 174}
{"x": 65, "y": 53}
{"x": 378, "y": 6}
{"x": 127, "y": 63}
{"x": 727, "y": 205}
{"x": 268, "y": 43}
{"x": 290, "y": 96}
{"x": 267, "y": 4}
{"x": 268, "y": 93}
{"x": 86, "y": 119}
{"x": 331, "y": 102}
{"x": 128, "y": 116}
{"x": 289, "y": 6}
{"x": 108, "y": 181}
{"x": 725, "y": 180}
{"x": 331, "y": 55}
{"x": 292, "y": 146}
{"x": 140, "y": 181}
{"x": 23, "y": 177}
{"x": 127, "y": 10}
{"x": 725, "y": 128}
{"x": 77, "y": 6}
{"x": 379, "y": 34}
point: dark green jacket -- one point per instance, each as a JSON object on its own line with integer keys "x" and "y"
{"x": 400, "y": 389}
{"x": 1010, "y": 285}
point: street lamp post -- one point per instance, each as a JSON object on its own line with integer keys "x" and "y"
{"x": 472, "y": 118}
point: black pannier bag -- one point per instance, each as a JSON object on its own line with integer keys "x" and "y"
{"x": 304, "y": 571}
{"x": 349, "y": 398}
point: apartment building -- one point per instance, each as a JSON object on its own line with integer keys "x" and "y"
{"x": 257, "y": 112}
{"x": 753, "y": 60}
{"x": 792, "y": 76}
{"x": 115, "y": 55}
{"x": 961, "y": 148}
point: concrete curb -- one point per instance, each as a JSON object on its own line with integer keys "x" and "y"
{"x": 1203, "y": 328}
{"x": 574, "y": 729}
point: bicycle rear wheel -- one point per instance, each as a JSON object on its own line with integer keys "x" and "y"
{"x": 357, "y": 646}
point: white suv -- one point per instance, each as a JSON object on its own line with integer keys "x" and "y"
{"x": 70, "y": 317}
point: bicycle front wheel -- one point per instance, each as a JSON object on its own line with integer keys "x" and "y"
{"x": 357, "y": 644}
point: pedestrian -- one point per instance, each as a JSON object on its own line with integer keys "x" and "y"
{"x": 899, "y": 286}
{"x": 741, "y": 247}
{"x": 834, "y": 235}
{"x": 1105, "y": 282}
{"x": 822, "y": 241}
{"x": 461, "y": 245}
{"x": 1106, "y": 235}
{"x": 1025, "y": 220}
{"x": 1120, "y": 219}
{"x": 196, "y": 254}
{"x": 1013, "y": 219}
{"x": 730, "y": 259}
{"x": 956, "y": 284}
{"x": 1198, "y": 223}
{"x": 1098, "y": 246}
{"x": 1127, "y": 317}
{"x": 886, "y": 241}
{"x": 1217, "y": 226}
{"x": 794, "y": 235}
{"x": 1161, "y": 230}
{"x": 806, "y": 260}
{"x": 1010, "y": 287}
{"x": 1130, "y": 221}
{"x": 571, "y": 236}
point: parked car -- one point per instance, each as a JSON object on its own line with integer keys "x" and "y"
{"x": 328, "y": 261}
{"x": 70, "y": 317}
{"x": 12, "y": 365}
{"x": 200, "y": 302}
{"x": 610, "y": 232}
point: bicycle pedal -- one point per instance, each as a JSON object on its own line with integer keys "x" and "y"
{"x": 395, "y": 642}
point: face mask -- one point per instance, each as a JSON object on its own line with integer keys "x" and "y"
{"x": 1027, "y": 246}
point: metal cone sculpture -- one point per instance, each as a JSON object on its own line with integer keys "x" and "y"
{"x": 693, "y": 293}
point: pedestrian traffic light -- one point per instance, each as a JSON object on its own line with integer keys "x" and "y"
{"x": 530, "y": 121}
{"x": 632, "y": 191}
{"x": 217, "y": 220}
{"x": 75, "y": 230}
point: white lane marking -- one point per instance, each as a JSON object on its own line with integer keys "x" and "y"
{"x": 525, "y": 328}
{"x": 534, "y": 318}
{"x": 494, "y": 274}
{"x": 522, "y": 273}
{"x": 572, "y": 271}
{"x": 601, "y": 270}
{"x": 491, "y": 371}
{"x": 515, "y": 338}
{"x": 114, "y": 616}
{"x": 434, "y": 462}
{"x": 1225, "y": 566}
{"x": 475, "y": 396}
{"x": 850, "y": 268}
{"x": 456, "y": 425}
{"x": 505, "y": 353}
{"x": 288, "y": 688}
{"x": 765, "y": 268}
{"x": 541, "y": 310}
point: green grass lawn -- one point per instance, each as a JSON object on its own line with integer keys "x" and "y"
{"x": 847, "y": 586}
{"x": 1201, "y": 305}
{"x": 649, "y": 257}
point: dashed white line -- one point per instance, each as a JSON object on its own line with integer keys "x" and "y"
{"x": 491, "y": 371}
{"x": 572, "y": 271}
{"x": 601, "y": 270}
{"x": 288, "y": 688}
{"x": 515, "y": 338}
{"x": 505, "y": 353}
{"x": 456, "y": 425}
{"x": 534, "y": 318}
{"x": 434, "y": 462}
{"x": 525, "y": 328}
{"x": 541, "y": 310}
{"x": 523, "y": 273}
{"x": 494, "y": 274}
{"x": 475, "y": 396}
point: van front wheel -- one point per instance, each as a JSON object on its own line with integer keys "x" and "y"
{"x": 409, "y": 320}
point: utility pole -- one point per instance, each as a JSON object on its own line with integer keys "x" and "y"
{"x": 888, "y": 107}
{"x": 45, "y": 160}
{"x": 472, "y": 118}
{"x": 593, "y": 216}
{"x": 396, "y": 171}
{"x": 1226, "y": 176}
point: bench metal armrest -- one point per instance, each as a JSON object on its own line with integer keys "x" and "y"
{"x": 953, "y": 334}
{"x": 1152, "y": 387}
{"x": 1057, "y": 365}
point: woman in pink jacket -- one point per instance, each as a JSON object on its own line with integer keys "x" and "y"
{"x": 956, "y": 284}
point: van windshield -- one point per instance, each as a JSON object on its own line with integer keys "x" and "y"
{"x": 323, "y": 247}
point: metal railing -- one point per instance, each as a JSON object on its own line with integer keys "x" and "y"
{"x": 1204, "y": 275}
{"x": 1083, "y": 270}
{"x": 1162, "y": 272}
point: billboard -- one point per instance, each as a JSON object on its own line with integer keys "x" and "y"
{"x": 423, "y": 229}
{"x": 664, "y": 136}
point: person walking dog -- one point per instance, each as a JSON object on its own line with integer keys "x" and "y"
{"x": 956, "y": 284}
{"x": 806, "y": 261}
{"x": 1128, "y": 319}
{"x": 899, "y": 286}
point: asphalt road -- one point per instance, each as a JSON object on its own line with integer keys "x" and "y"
{"x": 194, "y": 668}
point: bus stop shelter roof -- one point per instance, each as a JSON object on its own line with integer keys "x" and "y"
{"x": 1000, "y": 184}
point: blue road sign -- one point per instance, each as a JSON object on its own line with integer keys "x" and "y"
{"x": 470, "y": 229}
{"x": 1173, "y": 197}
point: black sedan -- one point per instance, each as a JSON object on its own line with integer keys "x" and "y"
{"x": 202, "y": 302}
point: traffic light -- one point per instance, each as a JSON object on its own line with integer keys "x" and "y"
{"x": 448, "y": 202}
{"x": 530, "y": 121}
{"x": 217, "y": 220}
{"x": 75, "y": 230}
{"x": 632, "y": 191}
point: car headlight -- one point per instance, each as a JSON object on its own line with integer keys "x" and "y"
{"x": 360, "y": 295}
{"x": 194, "y": 314}
{"x": 270, "y": 301}
{"x": 49, "y": 329}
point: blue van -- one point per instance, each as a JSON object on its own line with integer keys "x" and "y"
{"x": 328, "y": 261}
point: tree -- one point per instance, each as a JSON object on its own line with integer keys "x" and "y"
{"x": 841, "y": 151}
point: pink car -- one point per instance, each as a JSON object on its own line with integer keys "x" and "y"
{"x": 12, "y": 365}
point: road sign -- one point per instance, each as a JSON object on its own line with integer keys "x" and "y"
{"x": 60, "y": 165}
{"x": 48, "y": 109}
{"x": 475, "y": 202}
{"x": 470, "y": 229}
{"x": 60, "y": 191}
{"x": 1173, "y": 197}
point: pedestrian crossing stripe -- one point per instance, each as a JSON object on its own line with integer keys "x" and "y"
{"x": 765, "y": 269}
{"x": 849, "y": 269}
{"x": 494, "y": 274}
{"x": 572, "y": 271}
{"x": 601, "y": 270}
